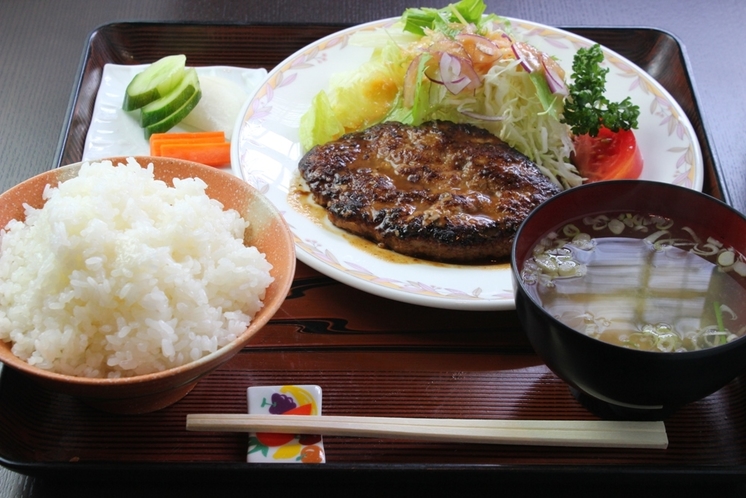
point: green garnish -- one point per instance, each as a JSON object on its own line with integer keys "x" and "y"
{"x": 465, "y": 12}
{"x": 719, "y": 316}
{"x": 586, "y": 107}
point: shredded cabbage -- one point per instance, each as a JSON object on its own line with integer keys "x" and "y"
{"x": 403, "y": 82}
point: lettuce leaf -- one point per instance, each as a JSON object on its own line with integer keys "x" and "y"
{"x": 548, "y": 100}
{"x": 355, "y": 99}
{"x": 319, "y": 124}
{"x": 467, "y": 11}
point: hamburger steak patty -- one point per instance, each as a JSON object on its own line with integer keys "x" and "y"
{"x": 440, "y": 191}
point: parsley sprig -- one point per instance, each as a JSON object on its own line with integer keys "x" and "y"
{"x": 586, "y": 107}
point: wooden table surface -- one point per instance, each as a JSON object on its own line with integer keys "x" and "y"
{"x": 42, "y": 42}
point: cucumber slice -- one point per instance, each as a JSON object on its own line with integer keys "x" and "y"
{"x": 173, "y": 119}
{"x": 154, "y": 82}
{"x": 167, "y": 105}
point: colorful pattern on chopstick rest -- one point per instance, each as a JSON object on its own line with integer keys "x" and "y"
{"x": 285, "y": 448}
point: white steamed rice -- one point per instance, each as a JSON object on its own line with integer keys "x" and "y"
{"x": 120, "y": 275}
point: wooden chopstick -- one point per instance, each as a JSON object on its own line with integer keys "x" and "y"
{"x": 589, "y": 433}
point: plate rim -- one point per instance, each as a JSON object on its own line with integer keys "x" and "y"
{"x": 442, "y": 301}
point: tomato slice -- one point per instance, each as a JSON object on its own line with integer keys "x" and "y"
{"x": 607, "y": 156}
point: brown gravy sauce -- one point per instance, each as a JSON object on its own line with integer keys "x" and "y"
{"x": 301, "y": 200}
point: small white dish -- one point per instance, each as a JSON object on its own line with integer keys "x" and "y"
{"x": 114, "y": 132}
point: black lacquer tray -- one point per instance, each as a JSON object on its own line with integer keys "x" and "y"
{"x": 371, "y": 356}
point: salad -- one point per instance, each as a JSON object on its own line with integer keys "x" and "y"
{"x": 458, "y": 64}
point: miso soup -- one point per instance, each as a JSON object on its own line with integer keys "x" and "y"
{"x": 639, "y": 281}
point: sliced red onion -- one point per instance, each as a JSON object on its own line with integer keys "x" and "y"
{"x": 521, "y": 56}
{"x": 525, "y": 54}
{"x": 468, "y": 69}
{"x": 556, "y": 85}
{"x": 452, "y": 73}
{"x": 440, "y": 82}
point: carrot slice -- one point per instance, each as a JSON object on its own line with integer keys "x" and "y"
{"x": 157, "y": 146}
{"x": 158, "y": 139}
{"x": 187, "y": 134}
{"x": 209, "y": 154}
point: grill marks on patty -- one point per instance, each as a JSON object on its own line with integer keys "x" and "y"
{"x": 440, "y": 191}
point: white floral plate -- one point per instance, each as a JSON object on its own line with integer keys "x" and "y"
{"x": 266, "y": 152}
